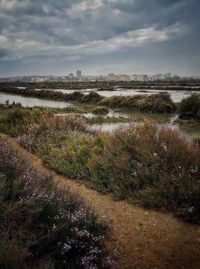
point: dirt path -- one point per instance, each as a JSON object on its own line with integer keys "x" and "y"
{"x": 145, "y": 239}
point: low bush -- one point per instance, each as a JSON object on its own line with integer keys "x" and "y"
{"x": 190, "y": 107}
{"x": 100, "y": 111}
{"x": 92, "y": 97}
{"x": 42, "y": 226}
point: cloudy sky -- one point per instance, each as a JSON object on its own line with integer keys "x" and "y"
{"x": 99, "y": 36}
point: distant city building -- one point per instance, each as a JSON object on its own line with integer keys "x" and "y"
{"x": 108, "y": 77}
{"x": 134, "y": 77}
{"x": 111, "y": 76}
{"x": 167, "y": 77}
{"x": 157, "y": 77}
{"x": 123, "y": 77}
{"x": 78, "y": 74}
{"x": 139, "y": 77}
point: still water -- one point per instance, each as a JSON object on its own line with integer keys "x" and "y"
{"x": 176, "y": 96}
{"x": 31, "y": 101}
{"x": 171, "y": 123}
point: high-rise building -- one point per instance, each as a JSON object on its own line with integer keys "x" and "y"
{"x": 78, "y": 74}
{"x": 123, "y": 77}
{"x": 139, "y": 77}
{"x": 111, "y": 76}
{"x": 134, "y": 77}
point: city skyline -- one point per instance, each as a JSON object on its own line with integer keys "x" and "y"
{"x": 80, "y": 76}
{"x": 99, "y": 36}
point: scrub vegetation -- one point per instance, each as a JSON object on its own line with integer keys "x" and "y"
{"x": 153, "y": 167}
{"x": 158, "y": 103}
{"x": 41, "y": 225}
{"x": 148, "y": 165}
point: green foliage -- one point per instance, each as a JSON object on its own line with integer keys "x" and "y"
{"x": 190, "y": 107}
{"x": 160, "y": 103}
{"x": 72, "y": 158}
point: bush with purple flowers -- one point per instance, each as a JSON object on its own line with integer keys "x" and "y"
{"x": 152, "y": 166}
{"x": 42, "y": 226}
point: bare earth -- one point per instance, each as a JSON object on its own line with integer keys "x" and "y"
{"x": 145, "y": 239}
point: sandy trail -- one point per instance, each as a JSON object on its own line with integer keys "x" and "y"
{"x": 145, "y": 239}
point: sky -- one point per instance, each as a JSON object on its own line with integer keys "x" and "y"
{"x": 56, "y": 37}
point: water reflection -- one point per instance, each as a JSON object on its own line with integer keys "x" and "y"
{"x": 31, "y": 102}
{"x": 176, "y": 96}
{"x": 111, "y": 127}
{"x": 171, "y": 123}
{"x": 110, "y": 114}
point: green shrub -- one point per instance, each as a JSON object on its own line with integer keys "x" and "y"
{"x": 71, "y": 158}
{"x": 100, "y": 111}
{"x": 189, "y": 108}
{"x": 92, "y": 97}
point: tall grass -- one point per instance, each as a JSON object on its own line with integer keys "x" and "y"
{"x": 16, "y": 121}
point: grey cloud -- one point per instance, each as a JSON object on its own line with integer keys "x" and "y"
{"x": 3, "y": 53}
{"x": 85, "y": 32}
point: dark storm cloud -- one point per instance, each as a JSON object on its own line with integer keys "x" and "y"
{"x": 3, "y": 53}
{"x": 93, "y": 34}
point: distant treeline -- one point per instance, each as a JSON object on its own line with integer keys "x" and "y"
{"x": 107, "y": 85}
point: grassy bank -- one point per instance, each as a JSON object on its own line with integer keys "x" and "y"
{"x": 153, "y": 167}
{"x": 42, "y": 226}
{"x": 158, "y": 103}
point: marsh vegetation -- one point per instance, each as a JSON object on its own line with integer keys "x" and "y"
{"x": 153, "y": 167}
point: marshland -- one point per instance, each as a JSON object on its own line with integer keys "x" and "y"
{"x": 137, "y": 144}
